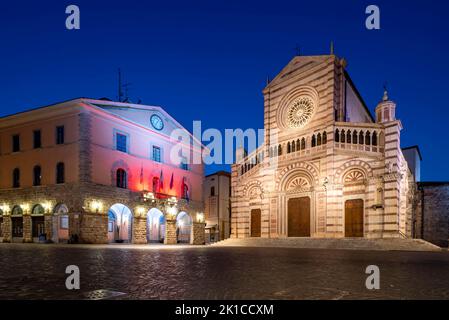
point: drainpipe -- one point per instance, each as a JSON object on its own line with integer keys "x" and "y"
{"x": 218, "y": 204}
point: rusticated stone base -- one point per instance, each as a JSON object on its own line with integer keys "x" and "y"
{"x": 170, "y": 232}
{"x": 27, "y": 233}
{"x": 140, "y": 230}
{"x": 198, "y": 234}
{"x": 94, "y": 228}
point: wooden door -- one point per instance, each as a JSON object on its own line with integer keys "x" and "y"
{"x": 299, "y": 217}
{"x": 354, "y": 218}
{"x": 256, "y": 223}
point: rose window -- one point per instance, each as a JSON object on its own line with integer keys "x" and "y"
{"x": 300, "y": 112}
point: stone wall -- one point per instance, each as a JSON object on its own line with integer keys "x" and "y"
{"x": 94, "y": 228}
{"x": 432, "y": 213}
{"x": 198, "y": 236}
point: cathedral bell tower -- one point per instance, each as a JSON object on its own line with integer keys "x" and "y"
{"x": 386, "y": 110}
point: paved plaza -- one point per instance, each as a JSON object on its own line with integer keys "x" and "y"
{"x": 32, "y": 271}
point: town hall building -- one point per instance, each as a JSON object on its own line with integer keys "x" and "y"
{"x": 327, "y": 168}
{"x": 98, "y": 171}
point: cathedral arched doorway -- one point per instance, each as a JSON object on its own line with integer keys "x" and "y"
{"x": 120, "y": 224}
{"x": 354, "y": 218}
{"x": 183, "y": 227}
{"x": 256, "y": 223}
{"x": 155, "y": 226}
{"x": 299, "y": 217}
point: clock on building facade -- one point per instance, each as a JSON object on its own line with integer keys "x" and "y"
{"x": 157, "y": 122}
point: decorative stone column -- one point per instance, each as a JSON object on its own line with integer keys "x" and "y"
{"x": 7, "y": 236}
{"x": 140, "y": 230}
{"x": 48, "y": 222}
{"x": 27, "y": 231}
{"x": 198, "y": 236}
{"x": 170, "y": 232}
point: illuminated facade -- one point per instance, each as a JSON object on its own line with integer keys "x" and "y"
{"x": 327, "y": 167}
{"x": 97, "y": 171}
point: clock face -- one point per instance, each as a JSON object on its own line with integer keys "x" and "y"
{"x": 157, "y": 122}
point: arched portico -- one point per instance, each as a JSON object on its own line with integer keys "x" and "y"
{"x": 119, "y": 224}
{"x": 184, "y": 224}
{"x": 155, "y": 226}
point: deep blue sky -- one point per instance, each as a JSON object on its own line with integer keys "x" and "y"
{"x": 208, "y": 60}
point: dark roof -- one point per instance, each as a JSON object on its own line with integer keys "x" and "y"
{"x": 414, "y": 147}
{"x": 219, "y": 173}
{"x": 351, "y": 83}
{"x": 433, "y": 183}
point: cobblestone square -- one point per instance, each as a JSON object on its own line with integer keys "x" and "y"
{"x": 30, "y": 271}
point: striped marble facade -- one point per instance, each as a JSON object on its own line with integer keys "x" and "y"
{"x": 340, "y": 154}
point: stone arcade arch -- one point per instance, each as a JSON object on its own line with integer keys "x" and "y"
{"x": 37, "y": 222}
{"x": 17, "y": 224}
{"x": 120, "y": 220}
{"x": 60, "y": 222}
{"x": 155, "y": 226}
{"x": 184, "y": 224}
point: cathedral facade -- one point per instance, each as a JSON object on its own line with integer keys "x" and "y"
{"x": 327, "y": 168}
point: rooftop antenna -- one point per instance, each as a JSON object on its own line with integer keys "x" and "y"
{"x": 332, "y": 48}
{"x": 120, "y": 91}
{"x": 123, "y": 88}
{"x": 297, "y": 50}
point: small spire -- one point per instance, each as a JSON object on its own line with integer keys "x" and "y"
{"x": 268, "y": 80}
{"x": 385, "y": 97}
{"x": 332, "y": 48}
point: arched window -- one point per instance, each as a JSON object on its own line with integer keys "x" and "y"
{"x": 368, "y": 138}
{"x": 361, "y": 140}
{"x": 288, "y": 147}
{"x": 60, "y": 173}
{"x": 17, "y": 211}
{"x": 303, "y": 143}
{"x": 343, "y": 136}
{"x": 313, "y": 141}
{"x": 318, "y": 139}
{"x": 121, "y": 179}
{"x": 38, "y": 210}
{"x": 348, "y": 136}
{"x": 293, "y": 146}
{"x": 354, "y": 137}
{"x": 37, "y": 176}
{"x": 374, "y": 138}
{"x": 386, "y": 115}
{"x": 280, "y": 150}
{"x": 298, "y": 145}
{"x": 324, "y": 137}
{"x": 185, "y": 190}
{"x": 16, "y": 178}
{"x": 337, "y": 135}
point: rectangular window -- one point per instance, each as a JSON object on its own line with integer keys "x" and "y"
{"x": 60, "y": 135}
{"x": 156, "y": 154}
{"x": 15, "y": 143}
{"x": 110, "y": 226}
{"x": 121, "y": 142}
{"x": 37, "y": 141}
{"x": 212, "y": 191}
